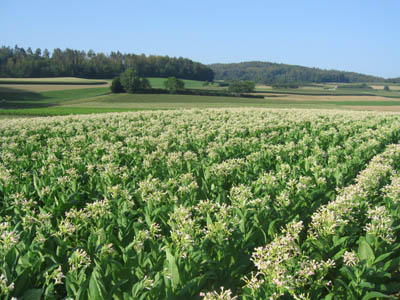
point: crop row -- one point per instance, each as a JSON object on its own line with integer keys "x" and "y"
{"x": 308, "y": 262}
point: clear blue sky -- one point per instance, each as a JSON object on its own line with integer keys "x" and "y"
{"x": 352, "y": 35}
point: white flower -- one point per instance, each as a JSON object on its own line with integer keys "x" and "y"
{"x": 350, "y": 258}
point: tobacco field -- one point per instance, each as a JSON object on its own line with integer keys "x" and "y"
{"x": 201, "y": 204}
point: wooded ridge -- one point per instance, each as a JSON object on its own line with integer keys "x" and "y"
{"x": 18, "y": 62}
{"x": 271, "y": 73}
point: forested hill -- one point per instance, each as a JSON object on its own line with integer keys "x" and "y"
{"x": 393, "y": 80}
{"x": 268, "y": 73}
{"x": 18, "y": 62}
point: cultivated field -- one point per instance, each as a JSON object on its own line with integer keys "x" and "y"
{"x": 38, "y": 88}
{"x": 392, "y": 87}
{"x": 86, "y": 101}
{"x": 52, "y": 79}
{"x": 37, "y": 85}
{"x": 201, "y": 204}
{"x": 47, "y": 97}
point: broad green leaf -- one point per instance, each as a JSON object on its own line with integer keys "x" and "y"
{"x": 97, "y": 289}
{"x": 348, "y": 272}
{"x": 271, "y": 228}
{"x": 365, "y": 252}
{"x": 70, "y": 285}
{"x": 32, "y": 294}
{"x": 366, "y": 284}
{"x": 116, "y": 286}
{"x": 329, "y": 296}
{"x": 383, "y": 257}
{"x": 371, "y": 239}
{"x": 373, "y": 295}
{"x": 83, "y": 285}
{"x": 242, "y": 226}
{"x": 339, "y": 254}
{"x": 172, "y": 269}
{"x": 338, "y": 241}
{"x": 209, "y": 221}
{"x": 391, "y": 264}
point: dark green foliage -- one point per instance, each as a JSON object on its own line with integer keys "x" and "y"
{"x": 200, "y": 92}
{"x": 360, "y": 86}
{"x": 386, "y": 88}
{"x": 218, "y": 93}
{"x": 287, "y": 85}
{"x": 223, "y": 84}
{"x": 16, "y": 62}
{"x": 270, "y": 73}
{"x": 174, "y": 85}
{"x": 116, "y": 86}
{"x": 393, "y": 80}
{"x": 242, "y": 86}
{"x": 132, "y": 83}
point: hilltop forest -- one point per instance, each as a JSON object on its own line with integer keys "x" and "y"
{"x": 271, "y": 73}
{"x": 18, "y": 62}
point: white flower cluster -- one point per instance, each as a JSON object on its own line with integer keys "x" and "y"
{"x": 284, "y": 267}
{"x": 222, "y": 295}
{"x": 380, "y": 224}
{"x": 8, "y": 237}
{"x": 56, "y": 275}
{"x": 79, "y": 260}
{"x": 203, "y": 183}
{"x": 5, "y": 288}
{"x": 344, "y": 208}
{"x": 350, "y": 258}
{"x": 392, "y": 191}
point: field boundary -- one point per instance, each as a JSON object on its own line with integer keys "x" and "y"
{"x": 321, "y": 94}
{"x": 52, "y": 82}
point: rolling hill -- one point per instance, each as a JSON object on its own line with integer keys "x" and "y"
{"x": 269, "y": 73}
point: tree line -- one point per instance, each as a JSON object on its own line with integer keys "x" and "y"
{"x": 18, "y": 62}
{"x": 273, "y": 73}
{"x": 393, "y": 80}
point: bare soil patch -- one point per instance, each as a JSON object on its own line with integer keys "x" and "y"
{"x": 392, "y": 87}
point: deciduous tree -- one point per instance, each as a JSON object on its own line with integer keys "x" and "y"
{"x": 116, "y": 86}
{"x": 132, "y": 83}
{"x": 174, "y": 85}
{"x": 242, "y": 86}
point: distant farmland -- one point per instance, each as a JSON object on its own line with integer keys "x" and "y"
{"x": 60, "y": 96}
